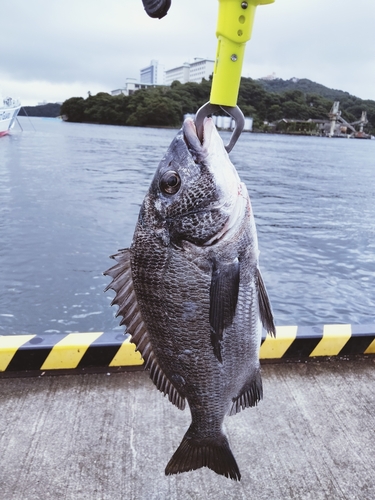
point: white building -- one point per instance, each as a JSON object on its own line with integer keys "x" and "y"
{"x": 201, "y": 68}
{"x": 131, "y": 86}
{"x": 153, "y": 74}
{"x": 190, "y": 72}
{"x": 181, "y": 74}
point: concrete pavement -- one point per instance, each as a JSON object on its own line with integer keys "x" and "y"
{"x": 109, "y": 437}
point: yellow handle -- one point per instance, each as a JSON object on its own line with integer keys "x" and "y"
{"x": 234, "y": 26}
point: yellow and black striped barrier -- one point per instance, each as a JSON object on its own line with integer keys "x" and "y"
{"x": 22, "y": 353}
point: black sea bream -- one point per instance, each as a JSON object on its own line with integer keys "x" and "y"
{"x": 192, "y": 296}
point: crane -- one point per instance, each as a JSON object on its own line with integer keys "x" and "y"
{"x": 335, "y": 117}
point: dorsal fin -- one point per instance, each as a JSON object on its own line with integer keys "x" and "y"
{"x": 125, "y": 298}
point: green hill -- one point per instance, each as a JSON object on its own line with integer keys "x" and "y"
{"x": 51, "y": 110}
{"x": 304, "y": 85}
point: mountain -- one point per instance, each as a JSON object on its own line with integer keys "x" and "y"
{"x": 51, "y": 110}
{"x": 304, "y": 85}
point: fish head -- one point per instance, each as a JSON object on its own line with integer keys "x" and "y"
{"x": 196, "y": 189}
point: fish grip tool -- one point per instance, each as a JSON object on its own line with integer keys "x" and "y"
{"x": 234, "y": 27}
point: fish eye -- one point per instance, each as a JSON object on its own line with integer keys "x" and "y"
{"x": 170, "y": 183}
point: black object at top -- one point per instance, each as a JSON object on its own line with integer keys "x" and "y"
{"x": 156, "y": 8}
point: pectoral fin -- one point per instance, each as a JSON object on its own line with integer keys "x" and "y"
{"x": 225, "y": 283}
{"x": 125, "y": 298}
{"x": 265, "y": 309}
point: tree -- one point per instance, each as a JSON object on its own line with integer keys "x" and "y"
{"x": 150, "y": 109}
{"x": 73, "y": 109}
{"x": 295, "y": 110}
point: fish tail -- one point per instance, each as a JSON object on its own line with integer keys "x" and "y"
{"x": 214, "y": 453}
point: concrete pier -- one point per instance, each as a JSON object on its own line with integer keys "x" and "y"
{"x": 110, "y": 436}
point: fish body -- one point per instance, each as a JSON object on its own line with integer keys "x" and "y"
{"x": 192, "y": 296}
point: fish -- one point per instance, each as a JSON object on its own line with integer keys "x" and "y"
{"x": 191, "y": 294}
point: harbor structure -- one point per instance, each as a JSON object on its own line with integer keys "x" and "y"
{"x": 339, "y": 127}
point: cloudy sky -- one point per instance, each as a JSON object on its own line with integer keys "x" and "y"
{"x": 55, "y": 49}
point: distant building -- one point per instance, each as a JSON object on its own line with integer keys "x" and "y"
{"x": 153, "y": 74}
{"x": 131, "y": 86}
{"x": 190, "y": 72}
{"x": 181, "y": 74}
{"x": 269, "y": 77}
{"x": 201, "y": 68}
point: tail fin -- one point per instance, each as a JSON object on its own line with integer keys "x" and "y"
{"x": 213, "y": 453}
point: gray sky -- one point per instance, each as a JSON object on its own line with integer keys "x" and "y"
{"x": 55, "y": 49}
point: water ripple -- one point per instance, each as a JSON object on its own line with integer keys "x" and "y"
{"x": 70, "y": 196}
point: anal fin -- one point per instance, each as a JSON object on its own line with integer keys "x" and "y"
{"x": 250, "y": 394}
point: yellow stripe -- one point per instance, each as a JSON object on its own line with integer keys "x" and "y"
{"x": 273, "y": 348}
{"x": 69, "y": 351}
{"x": 334, "y": 339}
{"x": 371, "y": 348}
{"x": 8, "y": 348}
{"x": 126, "y": 355}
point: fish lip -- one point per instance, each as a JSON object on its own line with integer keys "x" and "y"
{"x": 199, "y": 150}
{"x": 190, "y": 136}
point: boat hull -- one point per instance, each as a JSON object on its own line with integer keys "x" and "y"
{"x": 8, "y": 116}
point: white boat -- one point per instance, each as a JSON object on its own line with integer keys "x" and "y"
{"x": 9, "y": 109}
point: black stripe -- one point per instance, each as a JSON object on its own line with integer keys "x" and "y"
{"x": 98, "y": 355}
{"x": 102, "y": 351}
{"x": 32, "y": 354}
{"x": 29, "y": 359}
{"x": 357, "y": 344}
{"x": 301, "y": 347}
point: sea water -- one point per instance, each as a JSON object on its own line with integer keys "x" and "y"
{"x": 70, "y": 196}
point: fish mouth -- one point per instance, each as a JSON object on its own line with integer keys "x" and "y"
{"x": 196, "y": 147}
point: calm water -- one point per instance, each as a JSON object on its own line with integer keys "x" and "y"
{"x": 70, "y": 196}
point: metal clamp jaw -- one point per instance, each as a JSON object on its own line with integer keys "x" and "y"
{"x": 233, "y": 111}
